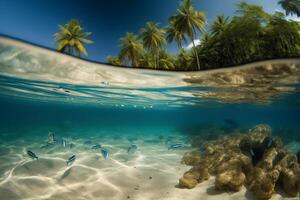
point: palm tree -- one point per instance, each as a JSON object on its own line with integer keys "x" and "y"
{"x": 131, "y": 50}
{"x": 70, "y": 38}
{"x": 189, "y": 22}
{"x": 153, "y": 39}
{"x": 172, "y": 34}
{"x": 219, "y": 25}
{"x": 165, "y": 61}
{"x": 113, "y": 60}
{"x": 291, "y": 7}
{"x": 146, "y": 60}
{"x": 183, "y": 60}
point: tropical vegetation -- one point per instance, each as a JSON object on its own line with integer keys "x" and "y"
{"x": 251, "y": 34}
{"x": 290, "y": 6}
{"x": 70, "y": 39}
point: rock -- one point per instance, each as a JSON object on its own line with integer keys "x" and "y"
{"x": 209, "y": 150}
{"x": 230, "y": 180}
{"x": 256, "y": 159}
{"x": 268, "y": 159}
{"x": 191, "y": 158}
{"x": 187, "y": 182}
{"x": 203, "y": 173}
{"x": 262, "y": 183}
{"x": 259, "y": 132}
{"x": 298, "y": 156}
{"x": 246, "y": 146}
{"x": 287, "y": 160}
{"x": 291, "y": 182}
{"x": 200, "y": 173}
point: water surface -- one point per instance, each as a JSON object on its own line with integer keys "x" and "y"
{"x": 88, "y": 103}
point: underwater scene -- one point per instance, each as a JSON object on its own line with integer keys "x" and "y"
{"x": 103, "y": 132}
{"x": 150, "y": 100}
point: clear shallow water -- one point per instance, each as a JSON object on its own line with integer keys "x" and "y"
{"x": 87, "y": 103}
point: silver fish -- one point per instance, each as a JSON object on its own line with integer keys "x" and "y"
{"x": 175, "y": 146}
{"x": 32, "y": 155}
{"x": 51, "y": 138}
{"x": 251, "y": 152}
{"x": 71, "y": 159}
{"x": 63, "y": 142}
{"x": 105, "y": 154}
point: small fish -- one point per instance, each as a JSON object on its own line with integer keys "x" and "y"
{"x": 132, "y": 149}
{"x": 96, "y": 146}
{"x": 71, "y": 159}
{"x": 175, "y": 146}
{"x": 71, "y": 145}
{"x": 252, "y": 152}
{"x": 32, "y": 155}
{"x": 51, "y": 138}
{"x": 104, "y": 154}
{"x": 63, "y": 142}
{"x": 268, "y": 141}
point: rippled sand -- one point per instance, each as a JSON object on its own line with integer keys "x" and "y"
{"x": 152, "y": 172}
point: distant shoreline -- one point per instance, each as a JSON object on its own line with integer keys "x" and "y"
{"x": 24, "y": 43}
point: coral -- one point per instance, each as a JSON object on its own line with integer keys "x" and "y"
{"x": 187, "y": 182}
{"x": 290, "y": 181}
{"x": 191, "y": 158}
{"x": 262, "y": 183}
{"x": 256, "y": 159}
{"x": 194, "y": 176}
{"x": 231, "y": 180}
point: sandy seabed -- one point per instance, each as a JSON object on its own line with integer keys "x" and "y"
{"x": 152, "y": 172}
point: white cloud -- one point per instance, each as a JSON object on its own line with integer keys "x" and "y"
{"x": 294, "y": 17}
{"x": 190, "y": 46}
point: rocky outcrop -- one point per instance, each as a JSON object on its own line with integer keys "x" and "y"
{"x": 256, "y": 160}
{"x": 191, "y": 158}
{"x": 195, "y": 175}
{"x": 231, "y": 180}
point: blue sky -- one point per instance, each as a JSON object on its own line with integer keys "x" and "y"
{"x": 108, "y": 20}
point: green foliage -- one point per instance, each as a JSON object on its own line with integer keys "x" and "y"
{"x": 113, "y": 60}
{"x": 219, "y": 25}
{"x": 188, "y": 22}
{"x": 70, "y": 38}
{"x": 183, "y": 60}
{"x": 131, "y": 50}
{"x": 153, "y": 39}
{"x": 252, "y": 34}
{"x": 291, "y": 7}
{"x": 165, "y": 61}
{"x": 146, "y": 60}
{"x": 281, "y": 37}
{"x": 173, "y": 34}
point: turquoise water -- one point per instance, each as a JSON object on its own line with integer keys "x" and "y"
{"x": 87, "y": 104}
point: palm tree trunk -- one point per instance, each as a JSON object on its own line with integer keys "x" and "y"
{"x": 195, "y": 50}
{"x": 155, "y": 61}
